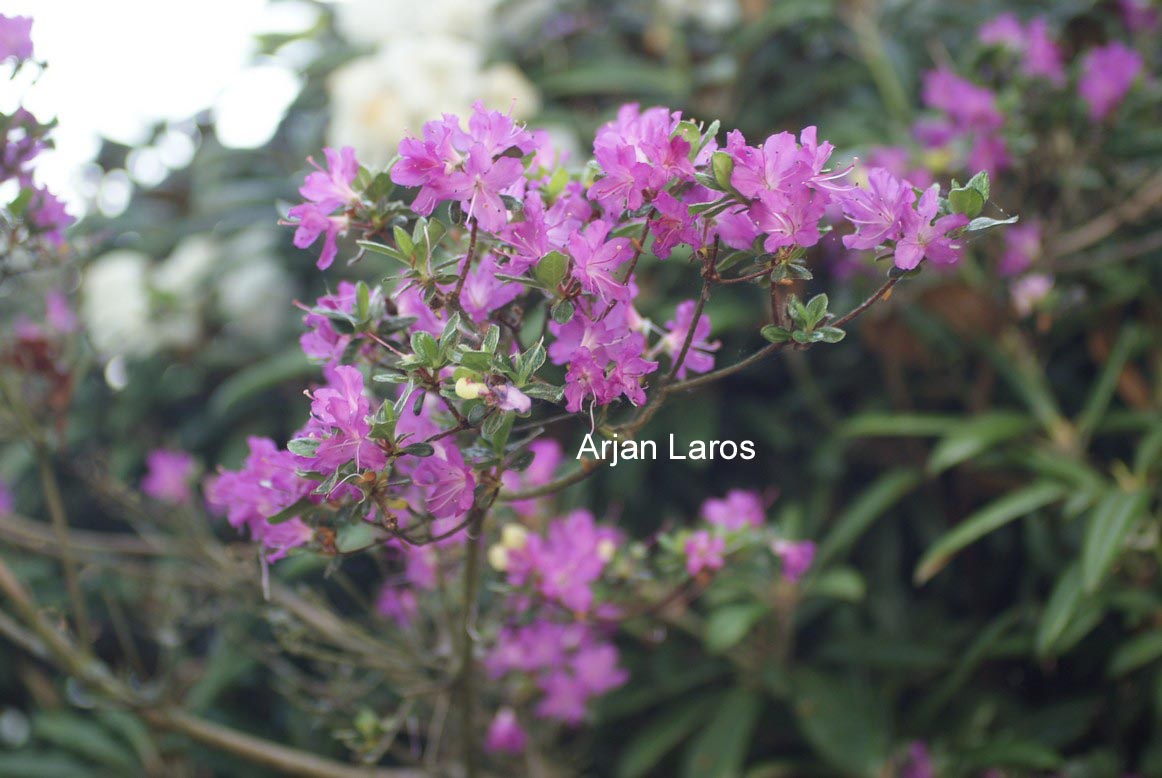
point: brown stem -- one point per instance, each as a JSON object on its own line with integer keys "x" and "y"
{"x": 869, "y": 302}
{"x": 467, "y": 266}
{"x": 467, "y": 675}
{"x": 588, "y": 467}
{"x": 60, "y": 526}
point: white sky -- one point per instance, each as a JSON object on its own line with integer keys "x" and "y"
{"x": 117, "y": 66}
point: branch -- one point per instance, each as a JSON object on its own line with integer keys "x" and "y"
{"x": 60, "y": 526}
{"x": 1146, "y": 197}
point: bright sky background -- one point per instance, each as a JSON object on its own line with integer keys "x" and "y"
{"x": 117, "y": 66}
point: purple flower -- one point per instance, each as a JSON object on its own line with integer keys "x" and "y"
{"x": 595, "y": 260}
{"x": 699, "y": 356}
{"x": 547, "y": 456}
{"x": 1002, "y": 30}
{"x": 703, "y": 552}
{"x": 339, "y": 421}
{"x": 57, "y": 312}
{"x": 15, "y": 37}
{"x": 1042, "y": 55}
{"x": 322, "y": 341}
{"x": 918, "y": 763}
{"x": 1107, "y": 73}
{"x": 483, "y": 292}
{"x": 924, "y": 238}
{"x": 1022, "y": 248}
{"x": 673, "y": 225}
{"x": 969, "y": 106}
{"x": 331, "y": 188}
{"x": 480, "y": 184}
{"x": 47, "y": 215}
{"x": 7, "y": 503}
{"x": 398, "y": 604}
{"x": 1028, "y": 291}
{"x": 795, "y": 556}
{"x": 447, "y": 483}
{"x": 313, "y": 221}
{"x": 739, "y": 508}
{"x": 505, "y": 734}
{"x": 877, "y": 212}
{"x": 267, "y": 483}
{"x": 168, "y": 475}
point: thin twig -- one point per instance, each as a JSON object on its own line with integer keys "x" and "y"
{"x": 60, "y": 526}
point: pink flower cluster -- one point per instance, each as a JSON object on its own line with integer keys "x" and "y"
{"x": 43, "y": 214}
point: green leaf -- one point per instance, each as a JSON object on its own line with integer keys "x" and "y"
{"x": 719, "y": 750}
{"x": 1135, "y": 653}
{"x": 663, "y": 734}
{"x": 303, "y": 447}
{"x": 355, "y": 537}
{"x": 980, "y": 182}
{"x": 970, "y": 438}
{"x": 403, "y": 241}
{"x": 387, "y": 251}
{"x": 1109, "y": 523}
{"x": 562, "y": 312}
{"x": 550, "y": 271}
{"x": 989, "y": 518}
{"x": 839, "y": 583}
{"x": 829, "y": 334}
{"x": 728, "y": 625}
{"x": 982, "y": 223}
{"x": 290, "y": 511}
{"x": 84, "y": 738}
{"x": 419, "y": 449}
{"x": 872, "y": 503}
{"x": 1018, "y": 754}
{"x": 775, "y": 334}
{"x": 1059, "y": 610}
{"x": 491, "y": 338}
{"x": 1107, "y": 381}
{"x": 844, "y": 720}
{"x": 894, "y": 425}
{"x": 966, "y": 201}
{"x": 722, "y": 164}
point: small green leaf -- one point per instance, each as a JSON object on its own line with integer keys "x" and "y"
{"x": 982, "y": 223}
{"x": 722, "y": 164}
{"x": 419, "y": 449}
{"x": 980, "y": 183}
{"x": 775, "y": 334}
{"x": 303, "y": 447}
{"x": 871, "y": 504}
{"x": 562, "y": 312}
{"x": 403, "y": 242}
{"x": 966, "y": 201}
{"x": 830, "y": 334}
{"x": 355, "y": 537}
{"x": 550, "y": 270}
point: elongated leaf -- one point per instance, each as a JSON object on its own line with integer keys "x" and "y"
{"x": 899, "y": 425}
{"x": 844, "y": 720}
{"x": 1060, "y": 608}
{"x": 1021, "y": 754}
{"x": 270, "y": 373}
{"x": 1109, "y": 523}
{"x": 1107, "y": 381}
{"x": 730, "y": 624}
{"x": 84, "y": 738}
{"x": 970, "y": 438}
{"x": 993, "y": 516}
{"x": 720, "y": 749}
{"x": 1136, "y": 652}
{"x": 659, "y": 737}
{"x": 872, "y": 503}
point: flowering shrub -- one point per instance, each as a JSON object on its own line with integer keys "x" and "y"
{"x": 503, "y": 321}
{"x": 512, "y": 291}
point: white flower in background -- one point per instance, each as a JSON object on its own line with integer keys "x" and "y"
{"x": 376, "y": 22}
{"x": 714, "y": 15}
{"x": 430, "y": 61}
{"x": 186, "y": 269}
{"x": 115, "y": 304}
{"x": 254, "y": 292}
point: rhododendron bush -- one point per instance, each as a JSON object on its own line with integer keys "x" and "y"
{"x": 608, "y": 461}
